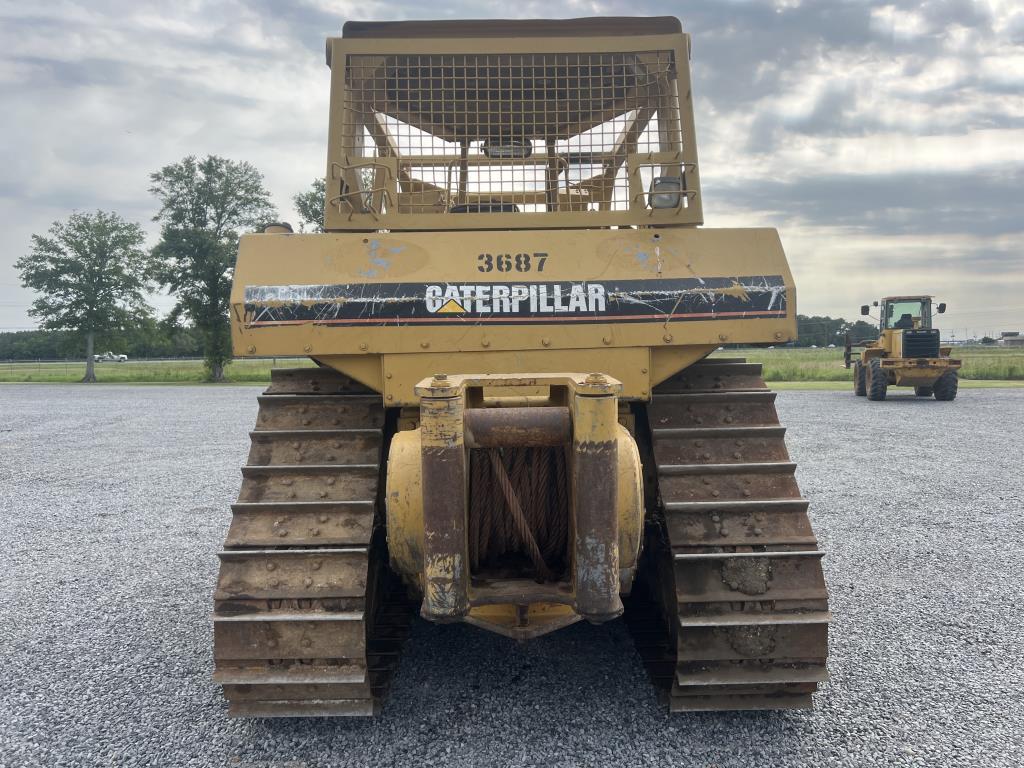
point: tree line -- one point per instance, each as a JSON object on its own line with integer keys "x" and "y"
{"x": 150, "y": 337}
{"x": 92, "y": 272}
{"x": 820, "y": 331}
{"x": 147, "y": 337}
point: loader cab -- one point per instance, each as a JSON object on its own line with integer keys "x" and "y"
{"x": 904, "y": 313}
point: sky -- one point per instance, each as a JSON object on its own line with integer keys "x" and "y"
{"x": 885, "y": 141}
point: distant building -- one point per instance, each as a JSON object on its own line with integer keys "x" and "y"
{"x": 1011, "y": 339}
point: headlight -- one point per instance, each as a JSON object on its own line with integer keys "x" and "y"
{"x": 510, "y": 148}
{"x": 665, "y": 192}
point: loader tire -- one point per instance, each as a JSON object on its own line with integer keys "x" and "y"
{"x": 923, "y": 391}
{"x": 730, "y": 608}
{"x": 308, "y": 618}
{"x": 860, "y": 387}
{"x": 877, "y": 382}
{"x": 946, "y": 386}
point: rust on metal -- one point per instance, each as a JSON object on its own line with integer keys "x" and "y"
{"x": 292, "y": 573}
{"x": 774, "y": 641}
{"x": 596, "y": 534}
{"x": 740, "y": 619}
{"x": 303, "y": 635}
{"x": 765, "y": 575}
{"x": 283, "y": 412}
{"x": 319, "y": 446}
{"x": 363, "y": 707}
{"x": 303, "y": 610}
{"x": 750, "y": 522}
{"x": 319, "y": 381}
{"x": 308, "y": 523}
{"x": 319, "y": 672}
{"x": 301, "y": 691}
{"x": 445, "y": 551}
{"x": 517, "y": 427}
{"x": 307, "y": 482}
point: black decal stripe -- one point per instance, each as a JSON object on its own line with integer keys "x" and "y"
{"x": 516, "y": 321}
{"x": 631, "y": 301}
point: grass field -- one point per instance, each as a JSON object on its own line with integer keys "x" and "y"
{"x": 802, "y": 368}
{"x": 145, "y": 371}
{"x": 979, "y": 363}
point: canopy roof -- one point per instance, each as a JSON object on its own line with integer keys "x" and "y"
{"x": 466, "y": 97}
{"x": 583, "y": 27}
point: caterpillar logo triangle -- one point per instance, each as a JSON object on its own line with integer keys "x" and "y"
{"x": 451, "y": 307}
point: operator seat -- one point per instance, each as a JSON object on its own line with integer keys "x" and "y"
{"x": 906, "y": 321}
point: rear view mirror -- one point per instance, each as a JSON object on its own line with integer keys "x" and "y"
{"x": 942, "y": 308}
{"x": 865, "y": 309}
{"x": 874, "y": 303}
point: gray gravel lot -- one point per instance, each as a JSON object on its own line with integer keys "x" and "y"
{"x": 114, "y": 501}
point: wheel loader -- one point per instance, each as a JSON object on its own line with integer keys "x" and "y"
{"x": 513, "y": 420}
{"x": 907, "y": 352}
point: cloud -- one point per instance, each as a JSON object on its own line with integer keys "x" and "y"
{"x": 946, "y": 202}
{"x": 883, "y": 139}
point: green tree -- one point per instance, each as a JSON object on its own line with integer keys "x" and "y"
{"x": 92, "y": 273}
{"x": 310, "y": 206}
{"x": 818, "y": 331}
{"x": 860, "y": 330}
{"x": 35, "y": 345}
{"x": 205, "y": 205}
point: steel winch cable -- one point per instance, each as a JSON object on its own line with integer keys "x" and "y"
{"x": 519, "y": 504}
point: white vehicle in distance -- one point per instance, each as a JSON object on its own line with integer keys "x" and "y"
{"x": 110, "y": 357}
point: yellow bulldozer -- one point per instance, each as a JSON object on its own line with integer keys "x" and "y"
{"x": 514, "y": 421}
{"x": 907, "y": 352}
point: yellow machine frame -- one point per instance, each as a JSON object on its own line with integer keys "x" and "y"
{"x": 390, "y": 357}
{"x": 513, "y": 424}
{"x": 407, "y": 303}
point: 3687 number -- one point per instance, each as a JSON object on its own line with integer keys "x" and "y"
{"x": 508, "y": 262}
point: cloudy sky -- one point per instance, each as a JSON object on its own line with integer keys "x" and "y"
{"x": 884, "y": 140}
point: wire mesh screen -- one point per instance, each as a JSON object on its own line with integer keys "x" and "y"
{"x": 506, "y": 133}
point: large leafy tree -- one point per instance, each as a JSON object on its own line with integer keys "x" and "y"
{"x": 310, "y": 206}
{"x": 205, "y": 206}
{"x": 92, "y": 274}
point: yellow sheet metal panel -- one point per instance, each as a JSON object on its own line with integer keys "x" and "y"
{"x": 412, "y": 293}
{"x": 631, "y": 366}
{"x": 404, "y": 494}
{"x": 630, "y": 504}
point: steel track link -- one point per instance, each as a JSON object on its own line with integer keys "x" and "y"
{"x": 308, "y": 619}
{"x": 731, "y": 610}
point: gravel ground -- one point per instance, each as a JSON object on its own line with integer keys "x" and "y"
{"x": 114, "y": 500}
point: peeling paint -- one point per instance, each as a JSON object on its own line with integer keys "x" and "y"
{"x": 597, "y": 555}
{"x": 671, "y": 299}
{"x": 444, "y": 590}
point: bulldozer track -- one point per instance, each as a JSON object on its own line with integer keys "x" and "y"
{"x": 308, "y": 619}
{"x": 731, "y": 609}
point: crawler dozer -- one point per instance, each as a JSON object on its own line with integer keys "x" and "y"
{"x": 514, "y": 421}
{"x": 906, "y": 353}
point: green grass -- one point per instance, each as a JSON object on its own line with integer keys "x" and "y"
{"x": 146, "y": 371}
{"x": 802, "y": 368}
{"x": 822, "y": 365}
